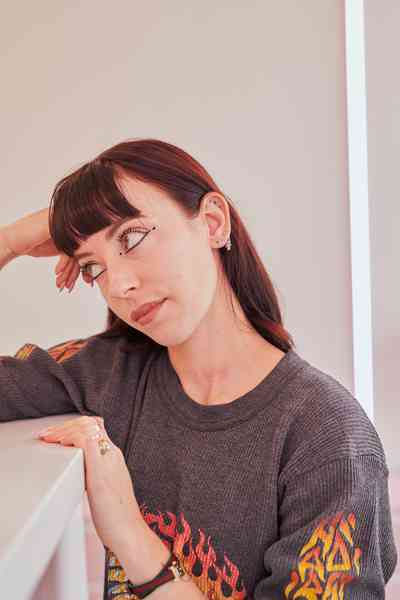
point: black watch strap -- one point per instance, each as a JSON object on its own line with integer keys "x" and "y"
{"x": 170, "y": 571}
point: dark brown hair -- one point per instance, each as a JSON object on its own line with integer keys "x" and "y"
{"x": 88, "y": 199}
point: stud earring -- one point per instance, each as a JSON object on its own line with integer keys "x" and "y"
{"x": 228, "y": 243}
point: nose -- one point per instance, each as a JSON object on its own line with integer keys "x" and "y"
{"x": 121, "y": 278}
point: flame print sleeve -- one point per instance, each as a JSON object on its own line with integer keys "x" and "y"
{"x": 336, "y": 539}
{"x": 36, "y": 382}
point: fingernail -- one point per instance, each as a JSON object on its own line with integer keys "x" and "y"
{"x": 44, "y": 431}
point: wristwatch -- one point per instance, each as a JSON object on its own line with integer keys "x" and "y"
{"x": 172, "y": 570}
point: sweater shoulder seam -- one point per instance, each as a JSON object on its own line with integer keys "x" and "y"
{"x": 338, "y": 458}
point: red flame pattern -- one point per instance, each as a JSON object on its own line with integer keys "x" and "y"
{"x": 198, "y": 559}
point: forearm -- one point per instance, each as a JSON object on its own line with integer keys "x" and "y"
{"x": 5, "y": 254}
{"x": 143, "y": 565}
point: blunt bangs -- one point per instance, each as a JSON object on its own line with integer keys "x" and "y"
{"x": 85, "y": 202}
{"x": 90, "y": 199}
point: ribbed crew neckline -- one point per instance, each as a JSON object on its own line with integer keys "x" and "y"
{"x": 222, "y": 416}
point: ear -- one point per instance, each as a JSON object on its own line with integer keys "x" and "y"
{"x": 215, "y": 211}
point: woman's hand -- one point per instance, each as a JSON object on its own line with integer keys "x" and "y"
{"x": 67, "y": 272}
{"x": 115, "y": 511}
{"x": 30, "y": 236}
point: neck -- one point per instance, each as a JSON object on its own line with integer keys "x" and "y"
{"x": 223, "y": 356}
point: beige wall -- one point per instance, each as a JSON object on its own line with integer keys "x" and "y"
{"x": 382, "y": 46}
{"x": 255, "y": 91}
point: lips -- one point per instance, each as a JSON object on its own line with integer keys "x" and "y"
{"x": 144, "y": 309}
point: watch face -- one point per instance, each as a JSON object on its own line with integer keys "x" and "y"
{"x": 179, "y": 571}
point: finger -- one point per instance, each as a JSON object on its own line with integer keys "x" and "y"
{"x": 69, "y": 275}
{"x": 79, "y": 438}
{"x": 73, "y": 276}
{"x": 66, "y": 266}
{"x": 83, "y": 419}
{"x": 86, "y": 425}
{"x": 63, "y": 276}
{"x": 61, "y": 263}
{"x": 69, "y": 430}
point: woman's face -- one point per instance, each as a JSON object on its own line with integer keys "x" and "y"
{"x": 176, "y": 261}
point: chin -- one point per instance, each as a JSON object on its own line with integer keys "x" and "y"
{"x": 172, "y": 333}
{"x": 173, "y": 330}
{"x": 171, "y": 339}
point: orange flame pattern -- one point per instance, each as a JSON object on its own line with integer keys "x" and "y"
{"x": 199, "y": 560}
{"x": 66, "y": 349}
{"x": 326, "y": 561}
{"x": 59, "y": 352}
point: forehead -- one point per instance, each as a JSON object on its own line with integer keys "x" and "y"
{"x": 149, "y": 199}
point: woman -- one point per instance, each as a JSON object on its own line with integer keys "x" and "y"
{"x": 261, "y": 476}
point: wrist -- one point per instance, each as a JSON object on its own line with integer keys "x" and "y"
{"x": 6, "y": 255}
{"x": 143, "y": 555}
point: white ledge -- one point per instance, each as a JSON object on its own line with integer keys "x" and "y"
{"x": 42, "y": 538}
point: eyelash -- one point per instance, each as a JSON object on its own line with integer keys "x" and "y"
{"x": 119, "y": 238}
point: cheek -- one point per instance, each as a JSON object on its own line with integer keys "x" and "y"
{"x": 194, "y": 279}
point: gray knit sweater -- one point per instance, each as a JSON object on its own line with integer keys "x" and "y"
{"x": 280, "y": 494}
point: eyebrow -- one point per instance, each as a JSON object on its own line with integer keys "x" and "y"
{"x": 110, "y": 232}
